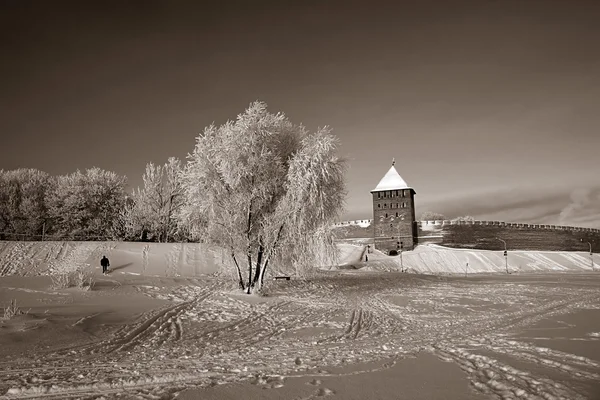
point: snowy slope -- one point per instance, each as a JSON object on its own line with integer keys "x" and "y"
{"x": 194, "y": 259}
{"x": 41, "y": 258}
{"x": 437, "y": 259}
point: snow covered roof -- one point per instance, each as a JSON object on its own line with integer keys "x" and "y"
{"x": 391, "y": 181}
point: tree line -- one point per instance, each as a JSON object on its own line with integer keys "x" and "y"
{"x": 88, "y": 205}
{"x": 265, "y": 189}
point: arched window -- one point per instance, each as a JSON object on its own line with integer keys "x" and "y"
{"x": 386, "y": 215}
{"x": 396, "y": 214}
{"x": 378, "y": 205}
{"x": 384, "y": 205}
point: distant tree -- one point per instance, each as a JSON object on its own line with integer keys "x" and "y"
{"x": 464, "y": 218}
{"x": 432, "y": 216}
{"x": 265, "y": 189}
{"x": 87, "y": 205}
{"x": 127, "y": 226}
{"x": 22, "y": 206}
{"x": 158, "y": 203}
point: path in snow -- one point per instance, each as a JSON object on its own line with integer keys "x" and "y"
{"x": 210, "y": 335}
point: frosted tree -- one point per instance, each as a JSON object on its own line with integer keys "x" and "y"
{"x": 157, "y": 204}
{"x": 86, "y": 205}
{"x": 467, "y": 218}
{"x": 267, "y": 190}
{"x": 432, "y": 216}
{"x": 23, "y": 209}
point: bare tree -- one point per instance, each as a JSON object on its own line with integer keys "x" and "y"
{"x": 265, "y": 189}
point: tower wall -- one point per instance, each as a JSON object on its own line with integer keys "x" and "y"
{"x": 394, "y": 219}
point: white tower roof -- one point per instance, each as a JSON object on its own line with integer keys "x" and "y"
{"x": 391, "y": 181}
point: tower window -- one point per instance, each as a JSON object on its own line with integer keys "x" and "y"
{"x": 378, "y": 195}
{"x": 396, "y": 214}
{"x": 396, "y": 193}
{"x": 378, "y": 205}
{"x": 384, "y": 205}
{"x": 386, "y": 215}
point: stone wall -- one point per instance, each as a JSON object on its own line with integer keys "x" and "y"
{"x": 518, "y": 236}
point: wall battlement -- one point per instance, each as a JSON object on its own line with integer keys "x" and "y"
{"x": 359, "y": 222}
{"x": 437, "y": 223}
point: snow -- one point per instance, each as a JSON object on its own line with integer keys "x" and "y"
{"x": 354, "y": 333}
{"x": 435, "y": 259}
{"x": 391, "y": 181}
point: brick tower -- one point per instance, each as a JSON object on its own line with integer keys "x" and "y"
{"x": 394, "y": 213}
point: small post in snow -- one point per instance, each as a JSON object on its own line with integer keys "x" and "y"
{"x": 505, "y": 255}
{"x": 400, "y": 246}
{"x": 466, "y": 268}
{"x": 591, "y": 255}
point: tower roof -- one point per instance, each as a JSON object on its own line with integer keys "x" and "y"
{"x": 391, "y": 181}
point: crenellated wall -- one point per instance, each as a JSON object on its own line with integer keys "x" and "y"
{"x": 358, "y": 222}
{"x": 518, "y": 236}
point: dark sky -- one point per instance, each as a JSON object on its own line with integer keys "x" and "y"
{"x": 491, "y": 108}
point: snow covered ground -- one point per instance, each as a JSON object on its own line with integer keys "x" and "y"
{"x": 176, "y": 327}
{"x": 434, "y": 259}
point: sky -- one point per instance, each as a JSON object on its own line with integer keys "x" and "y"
{"x": 490, "y": 108}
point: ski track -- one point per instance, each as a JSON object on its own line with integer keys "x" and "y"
{"x": 206, "y": 336}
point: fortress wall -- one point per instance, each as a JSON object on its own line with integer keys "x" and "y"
{"x": 360, "y": 222}
{"x": 518, "y": 236}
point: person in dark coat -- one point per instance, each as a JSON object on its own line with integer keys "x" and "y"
{"x": 105, "y": 264}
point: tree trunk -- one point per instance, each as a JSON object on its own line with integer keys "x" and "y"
{"x": 239, "y": 271}
{"x": 249, "y": 270}
{"x": 248, "y": 229}
{"x": 275, "y": 243}
{"x": 258, "y": 261}
{"x": 262, "y": 274}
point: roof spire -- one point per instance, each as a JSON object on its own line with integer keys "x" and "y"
{"x": 391, "y": 181}
{"x": 393, "y": 161}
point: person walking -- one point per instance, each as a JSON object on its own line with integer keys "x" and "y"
{"x": 105, "y": 264}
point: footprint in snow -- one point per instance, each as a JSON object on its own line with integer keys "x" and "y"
{"x": 325, "y": 392}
